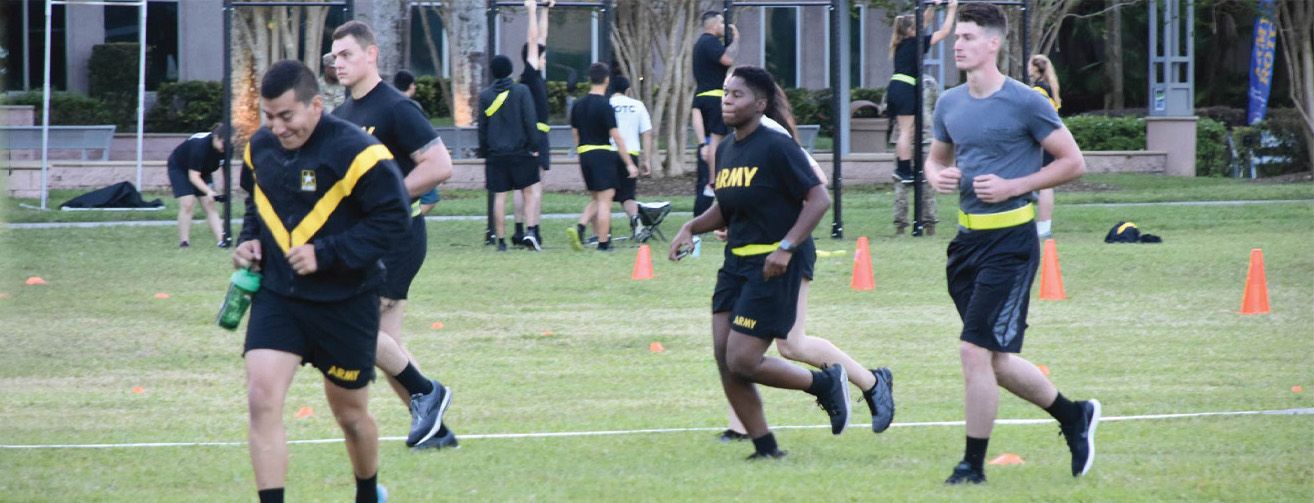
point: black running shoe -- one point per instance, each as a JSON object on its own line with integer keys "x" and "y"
{"x": 444, "y": 439}
{"x": 531, "y": 241}
{"x": 184, "y": 244}
{"x": 1081, "y": 437}
{"x": 964, "y": 474}
{"x": 730, "y": 435}
{"x": 776, "y": 454}
{"x": 518, "y": 239}
{"x": 225, "y": 243}
{"x": 501, "y": 245}
{"x": 880, "y": 399}
{"x": 427, "y": 413}
{"x": 835, "y": 401}
{"x": 903, "y": 175}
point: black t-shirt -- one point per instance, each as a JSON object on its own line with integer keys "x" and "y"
{"x": 593, "y": 116}
{"x": 538, "y": 89}
{"x": 708, "y": 71}
{"x": 195, "y": 154}
{"x": 905, "y": 55}
{"x": 395, "y": 120}
{"x": 761, "y": 182}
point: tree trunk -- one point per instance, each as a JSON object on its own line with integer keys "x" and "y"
{"x": 1295, "y": 20}
{"x": 1114, "y": 96}
{"x": 648, "y": 34}
{"x": 467, "y": 30}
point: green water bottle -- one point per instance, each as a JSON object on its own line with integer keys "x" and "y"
{"x": 244, "y": 284}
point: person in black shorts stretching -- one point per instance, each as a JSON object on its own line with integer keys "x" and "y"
{"x": 318, "y": 300}
{"x": 992, "y": 261}
{"x": 902, "y": 93}
{"x": 402, "y": 127}
{"x": 528, "y": 210}
{"x": 594, "y": 123}
{"x": 506, "y": 141}
{"x": 711, "y": 60}
{"x": 768, "y": 196}
{"x": 190, "y": 168}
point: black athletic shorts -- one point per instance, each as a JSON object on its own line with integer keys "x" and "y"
{"x": 544, "y": 151}
{"x": 404, "y": 260}
{"x": 761, "y": 308}
{"x": 182, "y": 185}
{"x": 901, "y": 98}
{"x": 504, "y": 173}
{"x": 990, "y": 274}
{"x": 710, "y": 106}
{"x": 600, "y": 169}
{"x": 338, "y": 338}
{"x": 626, "y": 188}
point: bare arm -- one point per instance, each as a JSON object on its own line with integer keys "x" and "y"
{"x": 647, "y": 151}
{"x": 732, "y": 50}
{"x": 709, "y": 221}
{"x": 433, "y": 165}
{"x": 543, "y": 22}
{"x": 940, "y": 172}
{"x": 815, "y": 205}
{"x": 948, "y": 26}
{"x": 1068, "y": 165}
{"x": 195, "y": 177}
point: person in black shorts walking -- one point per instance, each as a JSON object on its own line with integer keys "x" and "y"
{"x": 992, "y": 261}
{"x": 190, "y": 168}
{"x": 528, "y": 210}
{"x": 902, "y": 93}
{"x": 506, "y": 141}
{"x": 398, "y": 123}
{"x": 594, "y": 124}
{"x": 318, "y": 300}
{"x": 711, "y": 61}
{"x": 768, "y": 196}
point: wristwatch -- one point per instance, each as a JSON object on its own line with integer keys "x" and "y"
{"x": 786, "y": 246}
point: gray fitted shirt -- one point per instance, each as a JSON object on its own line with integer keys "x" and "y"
{"x": 999, "y": 134}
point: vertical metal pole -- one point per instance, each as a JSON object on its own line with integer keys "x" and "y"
{"x": 45, "y": 111}
{"x": 839, "y": 78}
{"x": 228, "y": 119}
{"x": 728, "y": 15}
{"x": 1026, "y": 41}
{"x": 141, "y": 83}
{"x": 490, "y": 234}
{"x": 604, "y": 52}
{"x": 350, "y": 9}
{"x": 918, "y": 176}
{"x": 27, "y": 49}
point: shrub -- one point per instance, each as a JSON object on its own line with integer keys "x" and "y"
{"x": 1277, "y": 145}
{"x": 187, "y": 107}
{"x": 556, "y": 91}
{"x": 112, "y": 75}
{"x": 1094, "y": 132}
{"x": 429, "y": 94}
{"x": 1211, "y": 154}
{"x": 66, "y": 109}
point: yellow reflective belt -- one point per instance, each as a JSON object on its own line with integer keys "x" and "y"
{"x": 750, "y": 250}
{"x": 544, "y": 127}
{"x": 714, "y": 93}
{"x": 986, "y": 221}
{"x": 906, "y": 79}
{"x": 589, "y": 148}
{"x": 415, "y": 208}
{"x": 497, "y": 103}
{"x": 324, "y": 207}
{"x": 634, "y": 153}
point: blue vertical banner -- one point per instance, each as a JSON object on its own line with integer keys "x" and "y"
{"x": 1261, "y": 63}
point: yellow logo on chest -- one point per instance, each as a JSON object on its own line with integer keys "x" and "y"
{"x": 741, "y": 176}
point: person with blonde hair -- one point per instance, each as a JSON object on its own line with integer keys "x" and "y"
{"x": 902, "y": 92}
{"x": 1045, "y": 80}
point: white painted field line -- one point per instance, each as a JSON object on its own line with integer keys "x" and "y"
{"x": 1287, "y": 412}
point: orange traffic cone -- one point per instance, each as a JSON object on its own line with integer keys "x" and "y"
{"x": 1256, "y": 298}
{"x": 1051, "y": 278}
{"x": 863, "y": 277}
{"x": 643, "y": 264}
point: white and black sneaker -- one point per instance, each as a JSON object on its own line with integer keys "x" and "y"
{"x": 531, "y": 241}
{"x": 427, "y": 413}
{"x": 1081, "y": 437}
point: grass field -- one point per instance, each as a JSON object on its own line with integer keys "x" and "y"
{"x": 559, "y": 342}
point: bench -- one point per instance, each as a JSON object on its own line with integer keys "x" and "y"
{"x": 84, "y": 138}
{"x": 807, "y": 136}
{"x": 463, "y": 142}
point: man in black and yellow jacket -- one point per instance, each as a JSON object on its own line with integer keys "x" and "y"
{"x": 327, "y": 202}
{"x": 507, "y": 141}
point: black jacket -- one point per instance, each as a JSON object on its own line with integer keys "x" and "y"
{"x": 512, "y": 126}
{"x": 349, "y": 178}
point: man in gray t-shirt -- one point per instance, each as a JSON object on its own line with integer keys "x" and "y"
{"x": 989, "y": 135}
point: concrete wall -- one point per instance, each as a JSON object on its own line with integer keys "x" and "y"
{"x": 85, "y": 29}
{"x": 200, "y": 40}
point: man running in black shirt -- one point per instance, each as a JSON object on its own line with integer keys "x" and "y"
{"x": 318, "y": 300}
{"x": 190, "y": 168}
{"x": 594, "y": 123}
{"x": 402, "y": 127}
{"x": 534, "y": 55}
{"x": 506, "y": 141}
{"x": 711, "y": 59}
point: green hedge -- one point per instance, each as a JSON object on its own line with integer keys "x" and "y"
{"x": 1277, "y": 145}
{"x": 1094, "y": 132}
{"x": 429, "y": 94}
{"x": 65, "y": 109}
{"x": 1211, "y": 154}
{"x": 186, "y": 107}
{"x": 112, "y": 75}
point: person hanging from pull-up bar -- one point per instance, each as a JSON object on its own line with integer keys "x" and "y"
{"x": 711, "y": 61}
{"x": 534, "y": 55}
{"x": 902, "y": 93}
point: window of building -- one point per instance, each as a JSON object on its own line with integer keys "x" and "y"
{"x": 572, "y": 43}
{"x": 122, "y": 24}
{"x": 780, "y": 29}
{"x": 24, "y": 45}
{"x": 420, "y": 61}
{"x": 857, "y": 47}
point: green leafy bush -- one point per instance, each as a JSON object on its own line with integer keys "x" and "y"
{"x": 112, "y": 75}
{"x": 1094, "y": 132}
{"x": 429, "y": 94}
{"x": 556, "y": 91}
{"x": 65, "y": 109}
{"x": 1211, "y": 154}
{"x": 187, "y": 107}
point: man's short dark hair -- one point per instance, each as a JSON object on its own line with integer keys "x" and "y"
{"x": 988, "y": 16}
{"x": 362, "y": 32}
{"x": 598, "y": 73}
{"x": 288, "y": 75}
{"x": 709, "y": 15}
{"x": 403, "y": 80}
{"x": 219, "y": 130}
{"x": 619, "y": 84}
{"x": 500, "y": 66}
{"x": 524, "y": 51}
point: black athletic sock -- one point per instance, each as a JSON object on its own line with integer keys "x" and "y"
{"x": 533, "y": 229}
{"x": 766, "y": 444}
{"x": 582, "y": 229}
{"x": 604, "y": 245}
{"x": 1064, "y": 410}
{"x": 414, "y": 382}
{"x": 975, "y": 453}
{"x": 904, "y": 166}
{"x": 367, "y": 489}
{"x": 821, "y": 382}
{"x": 520, "y": 228}
{"x": 270, "y": 495}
